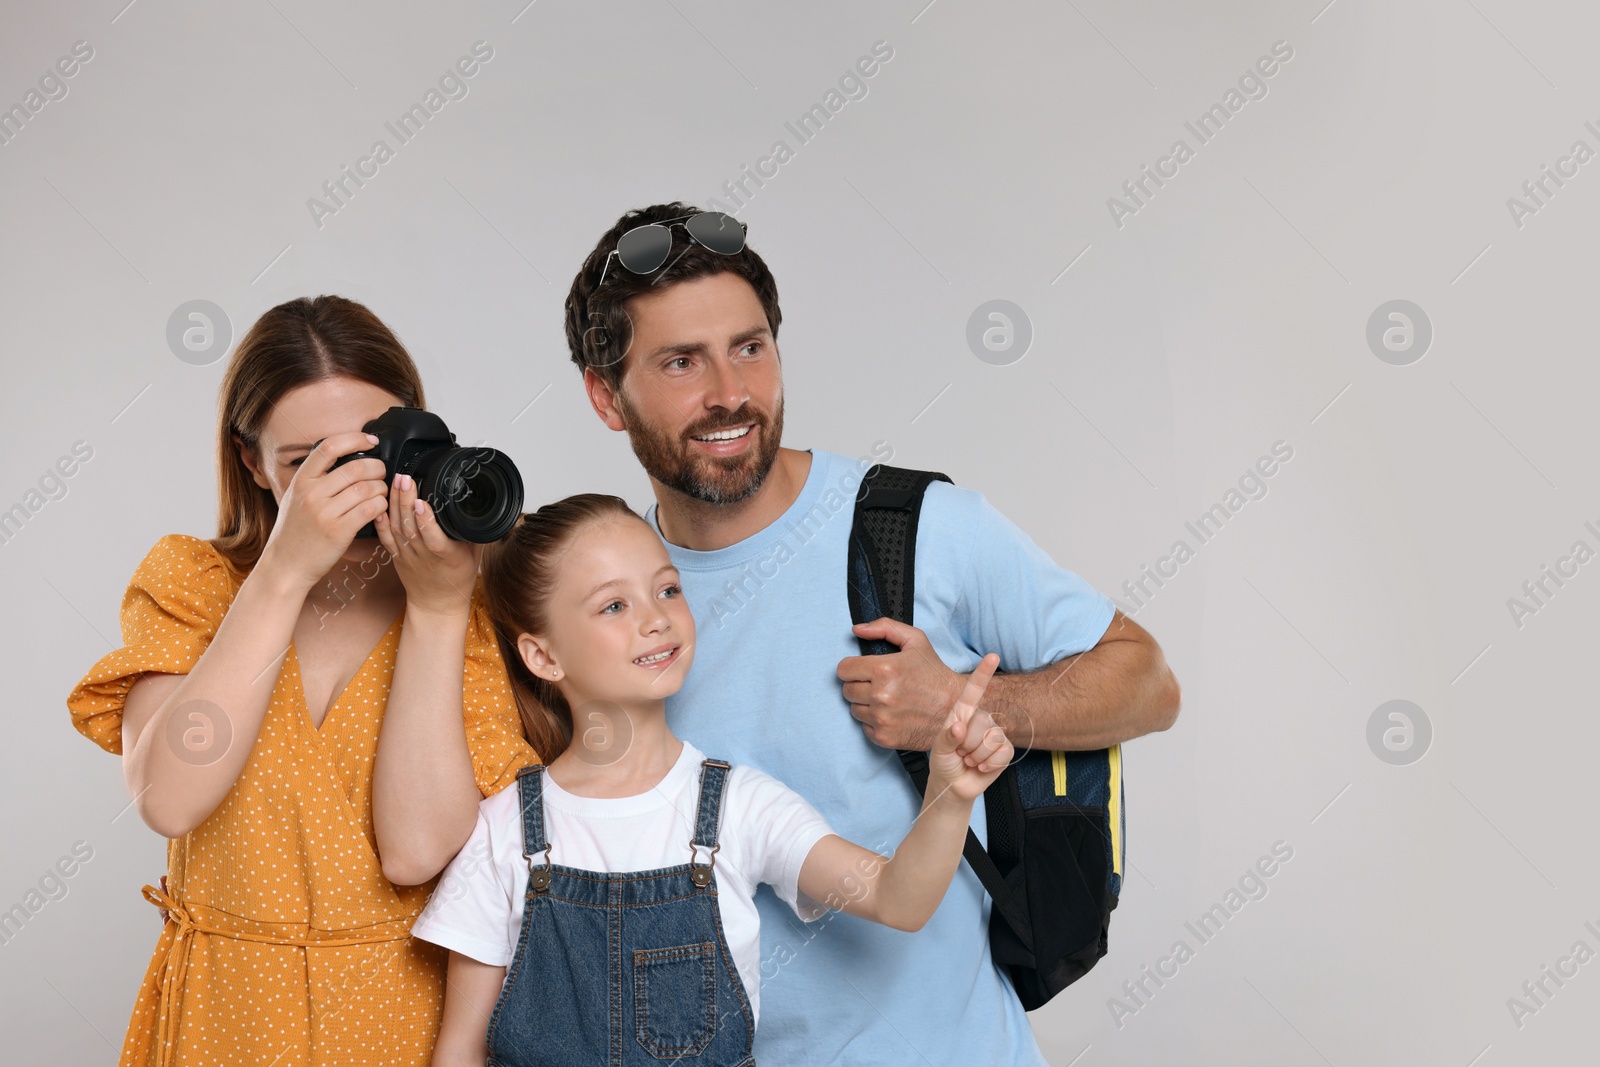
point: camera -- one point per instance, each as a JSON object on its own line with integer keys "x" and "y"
{"x": 475, "y": 493}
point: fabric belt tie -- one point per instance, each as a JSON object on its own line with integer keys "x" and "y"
{"x": 176, "y": 964}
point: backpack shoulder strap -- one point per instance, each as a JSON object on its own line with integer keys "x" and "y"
{"x": 888, "y": 506}
{"x": 881, "y": 580}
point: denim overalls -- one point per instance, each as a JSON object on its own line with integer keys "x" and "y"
{"x": 622, "y": 969}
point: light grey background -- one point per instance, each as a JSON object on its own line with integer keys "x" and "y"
{"x": 1228, "y": 314}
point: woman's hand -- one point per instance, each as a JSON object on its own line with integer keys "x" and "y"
{"x": 438, "y": 572}
{"x": 970, "y": 737}
{"x": 323, "y": 509}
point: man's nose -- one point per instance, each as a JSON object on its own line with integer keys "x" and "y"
{"x": 727, "y": 386}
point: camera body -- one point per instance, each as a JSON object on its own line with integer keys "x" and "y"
{"x": 475, "y": 493}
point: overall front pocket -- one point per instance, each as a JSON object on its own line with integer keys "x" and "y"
{"x": 675, "y": 999}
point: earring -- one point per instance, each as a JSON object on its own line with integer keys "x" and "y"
{"x": 558, "y": 672}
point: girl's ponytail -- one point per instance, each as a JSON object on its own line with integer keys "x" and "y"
{"x": 519, "y": 577}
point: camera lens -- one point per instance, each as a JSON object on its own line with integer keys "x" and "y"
{"x": 475, "y": 492}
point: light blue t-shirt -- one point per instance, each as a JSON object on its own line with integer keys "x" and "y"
{"x": 772, "y": 623}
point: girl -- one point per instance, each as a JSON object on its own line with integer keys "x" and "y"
{"x": 288, "y": 701}
{"x": 603, "y": 911}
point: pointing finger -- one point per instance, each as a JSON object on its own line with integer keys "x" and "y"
{"x": 977, "y": 682}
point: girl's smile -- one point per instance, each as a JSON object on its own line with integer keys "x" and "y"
{"x": 616, "y": 606}
{"x": 659, "y": 658}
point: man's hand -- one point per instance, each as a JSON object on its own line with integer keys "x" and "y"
{"x": 902, "y": 699}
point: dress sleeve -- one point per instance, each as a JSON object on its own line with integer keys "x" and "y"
{"x": 494, "y": 729}
{"x": 174, "y": 603}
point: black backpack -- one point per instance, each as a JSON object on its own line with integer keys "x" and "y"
{"x": 1055, "y": 823}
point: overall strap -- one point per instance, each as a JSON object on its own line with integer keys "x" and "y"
{"x": 708, "y": 812}
{"x": 530, "y": 791}
{"x": 707, "y": 819}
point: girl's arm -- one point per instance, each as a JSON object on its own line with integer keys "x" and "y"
{"x": 471, "y": 989}
{"x": 179, "y": 771}
{"x": 424, "y": 793}
{"x": 904, "y": 890}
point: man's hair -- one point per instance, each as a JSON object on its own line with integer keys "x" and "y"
{"x": 598, "y": 328}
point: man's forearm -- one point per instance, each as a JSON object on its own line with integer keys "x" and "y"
{"x": 1114, "y": 692}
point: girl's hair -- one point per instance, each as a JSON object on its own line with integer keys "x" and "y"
{"x": 519, "y": 577}
{"x": 306, "y": 340}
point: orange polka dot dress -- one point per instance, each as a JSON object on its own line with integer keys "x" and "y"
{"x": 284, "y": 944}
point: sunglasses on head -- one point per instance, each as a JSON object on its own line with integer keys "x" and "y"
{"x": 644, "y": 248}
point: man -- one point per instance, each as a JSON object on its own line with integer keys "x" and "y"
{"x": 684, "y": 358}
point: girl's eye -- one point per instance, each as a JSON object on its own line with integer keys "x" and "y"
{"x": 673, "y": 588}
{"x": 607, "y": 609}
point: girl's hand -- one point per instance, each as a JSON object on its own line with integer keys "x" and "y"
{"x": 438, "y": 572}
{"x": 323, "y": 509}
{"x": 971, "y": 737}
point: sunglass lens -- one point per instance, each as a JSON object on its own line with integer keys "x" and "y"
{"x": 644, "y": 248}
{"x": 717, "y": 231}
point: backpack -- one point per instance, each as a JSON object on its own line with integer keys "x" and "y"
{"x": 1053, "y": 868}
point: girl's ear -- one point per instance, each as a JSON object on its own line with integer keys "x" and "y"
{"x": 537, "y": 658}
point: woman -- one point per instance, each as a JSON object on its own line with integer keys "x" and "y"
{"x": 291, "y": 704}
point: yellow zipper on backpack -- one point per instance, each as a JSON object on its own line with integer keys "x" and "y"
{"x": 1115, "y": 807}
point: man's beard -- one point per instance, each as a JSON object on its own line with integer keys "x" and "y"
{"x": 677, "y": 463}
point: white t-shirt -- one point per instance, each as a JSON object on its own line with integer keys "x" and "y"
{"x": 767, "y": 830}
